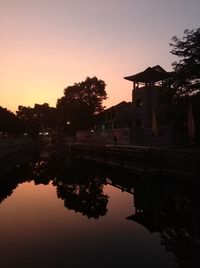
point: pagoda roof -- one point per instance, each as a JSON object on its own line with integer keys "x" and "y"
{"x": 151, "y": 74}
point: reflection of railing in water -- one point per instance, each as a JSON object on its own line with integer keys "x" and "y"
{"x": 144, "y": 161}
{"x": 123, "y": 188}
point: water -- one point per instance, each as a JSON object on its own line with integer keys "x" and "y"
{"x": 56, "y": 215}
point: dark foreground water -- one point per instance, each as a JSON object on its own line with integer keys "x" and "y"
{"x": 53, "y": 214}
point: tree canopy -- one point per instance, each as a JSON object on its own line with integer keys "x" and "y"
{"x": 183, "y": 88}
{"x": 186, "y": 79}
{"x": 10, "y": 123}
{"x": 38, "y": 118}
{"x": 81, "y": 101}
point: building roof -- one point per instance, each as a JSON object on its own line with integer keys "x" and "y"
{"x": 122, "y": 103}
{"x": 151, "y": 74}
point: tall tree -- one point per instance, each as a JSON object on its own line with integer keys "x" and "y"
{"x": 184, "y": 85}
{"x": 81, "y": 101}
{"x": 187, "y": 68}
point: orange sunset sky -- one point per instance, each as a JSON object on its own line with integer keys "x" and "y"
{"x": 47, "y": 45}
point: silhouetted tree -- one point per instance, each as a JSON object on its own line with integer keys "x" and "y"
{"x": 187, "y": 69}
{"x": 184, "y": 84}
{"x": 40, "y": 117}
{"x": 9, "y": 123}
{"x": 45, "y": 115}
{"x": 26, "y": 114}
{"x": 81, "y": 101}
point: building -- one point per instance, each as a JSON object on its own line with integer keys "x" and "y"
{"x": 147, "y": 86}
{"x": 118, "y": 116}
{"x": 134, "y": 122}
{"x": 113, "y": 124}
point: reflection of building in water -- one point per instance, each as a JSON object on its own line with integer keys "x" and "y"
{"x": 175, "y": 214}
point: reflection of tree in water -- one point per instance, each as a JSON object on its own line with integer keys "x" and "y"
{"x": 170, "y": 209}
{"x": 182, "y": 235}
{"x": 73, "y": 183}
{"x": 40, "y": 172}
{"x": 84, "y": 197}
{"x": 10, "y": 181}
{"x": 173, "y": 211}
{"x": 14, "y": 169}
{"x": 39, "y": 169}
{"x": 183, "y": 245}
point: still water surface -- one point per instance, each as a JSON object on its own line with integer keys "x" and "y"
{"x": 53, "y": 215}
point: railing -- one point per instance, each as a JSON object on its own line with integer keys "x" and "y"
{"x": 144, "y": 161}
{"x": 185, "y": 163}
{"x": 11, "y": 146}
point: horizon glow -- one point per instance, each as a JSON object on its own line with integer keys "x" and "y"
{"x": 47, "y": 45}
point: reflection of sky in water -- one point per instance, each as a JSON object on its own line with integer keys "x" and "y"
{"x": 38, "y": 231}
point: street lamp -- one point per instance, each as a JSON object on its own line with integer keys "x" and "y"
{"x": 68, "y": 128}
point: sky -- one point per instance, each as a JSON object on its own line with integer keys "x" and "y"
{"x": 47, "y": 45}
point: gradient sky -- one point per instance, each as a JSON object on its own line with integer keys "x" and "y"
{"x": 47, "y": 45}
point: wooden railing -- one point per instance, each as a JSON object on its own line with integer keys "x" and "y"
{"x": 144, "y": 161}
